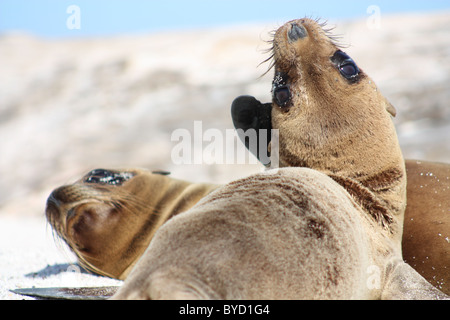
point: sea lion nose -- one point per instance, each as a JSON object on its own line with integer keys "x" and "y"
{"x": 296, "y": 32}
{"x": 56, "y": 196}
{"x": 53, "y": 204}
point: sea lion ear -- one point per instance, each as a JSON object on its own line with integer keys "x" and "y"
{"x": 390, "y": 108}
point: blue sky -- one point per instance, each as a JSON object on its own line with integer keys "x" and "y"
{"x": 48, "y": 18}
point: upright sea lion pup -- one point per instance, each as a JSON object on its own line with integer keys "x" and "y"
{"x": 331, "y": 117}
{"x": 108, "y": 217}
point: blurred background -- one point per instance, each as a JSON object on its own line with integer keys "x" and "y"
{"x": 88, "y": 84}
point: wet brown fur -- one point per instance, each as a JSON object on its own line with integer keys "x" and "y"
{"x": 426, "y": 233}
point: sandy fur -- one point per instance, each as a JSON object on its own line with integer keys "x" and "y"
{"x": 272, "y": 236}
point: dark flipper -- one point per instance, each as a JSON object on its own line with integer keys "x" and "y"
{"x": 253, "y": 122}
{"x": 83, "y": 293}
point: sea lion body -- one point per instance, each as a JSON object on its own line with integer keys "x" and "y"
{"x": 108, "y": 217}
{"x": 274, "y": 236}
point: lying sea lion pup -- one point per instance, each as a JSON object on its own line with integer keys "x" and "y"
{"x": 142, "y": 201}
{"x": 290, "y": 234}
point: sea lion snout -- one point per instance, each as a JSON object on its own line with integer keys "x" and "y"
{"x": 62, "y": 205}
{"x": 296, "y": 32}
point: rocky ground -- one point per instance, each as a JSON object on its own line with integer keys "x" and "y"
{"x": 68, "y": 106}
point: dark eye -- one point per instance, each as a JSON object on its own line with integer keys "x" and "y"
{"x": 349, "y": 70}
{"x": 99, "y": 176}
{"x": 346, "y": 66}
{"x": 102, "y": 176}
{"x": 282, "y": 96}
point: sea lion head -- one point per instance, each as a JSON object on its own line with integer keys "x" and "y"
{"x": 108, "y": 216}
{"x": 331, "y": 117}
{"x": 326, "y": 108}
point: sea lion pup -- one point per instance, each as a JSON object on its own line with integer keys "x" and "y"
{"x": 290, "y": 234}
{"x": 318, "y": 104}
{"x": 425, "y": 237}
{"x": 108, "y": 217}
{"x": 426, "y": 234}
{"x": 331, "y": 117}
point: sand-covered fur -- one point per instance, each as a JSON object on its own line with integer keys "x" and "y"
{"x": 274, "y": 236}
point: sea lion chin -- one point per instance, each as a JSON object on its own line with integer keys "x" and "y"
{"x": 108, "y": 217}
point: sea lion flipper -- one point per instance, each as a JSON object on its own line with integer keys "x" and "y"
{"x": 405, "y": 283}
{"x": 64, "y": 293}
{"x": 248, "y": 113}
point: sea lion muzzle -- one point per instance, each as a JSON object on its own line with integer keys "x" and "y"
{"x": 296, "y": 32}
{"x": 248, "y": 113}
